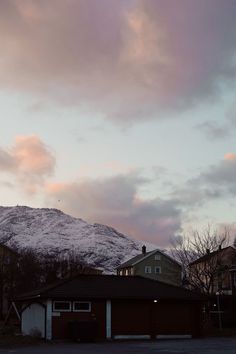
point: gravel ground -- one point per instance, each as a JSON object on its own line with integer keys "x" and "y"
{"x": 191, "y": 346}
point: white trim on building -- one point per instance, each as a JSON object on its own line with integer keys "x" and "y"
{"x": 108, "y": 319}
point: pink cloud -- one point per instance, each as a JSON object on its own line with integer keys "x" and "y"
{"x": 32, "y": 155}
{"x": 230, "y": 156}
{"x": 29, "y": 160}
{"x": 124, "y": 59}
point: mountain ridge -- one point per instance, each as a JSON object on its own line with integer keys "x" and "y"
{"x": 52, "y": 232}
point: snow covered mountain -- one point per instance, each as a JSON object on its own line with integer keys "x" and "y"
{"x": 51, "y": 232}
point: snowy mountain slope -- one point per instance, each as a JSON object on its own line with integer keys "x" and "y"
{"x": 51, "y": 232}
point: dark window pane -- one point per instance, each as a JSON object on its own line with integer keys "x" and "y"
{"x": 81, "y": 306}
{"x": 62, "y": 305}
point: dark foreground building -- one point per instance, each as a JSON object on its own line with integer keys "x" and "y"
{"x": 103, "y": 307}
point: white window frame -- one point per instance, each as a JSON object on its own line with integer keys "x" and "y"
{"x": 82, "y": 302}
{"x": 159, "y": 268}
{"x": 157, "y": 257}
{"x": 148, "y": 270}
{"x": 59, "y": 310}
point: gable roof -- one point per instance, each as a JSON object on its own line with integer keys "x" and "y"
{"x": 111, "y": 287}
{"x": 140, "y": 257}
{"x": 211, "y": 255}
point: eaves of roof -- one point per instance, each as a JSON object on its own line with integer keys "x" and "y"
{"x": 111, "y": 287}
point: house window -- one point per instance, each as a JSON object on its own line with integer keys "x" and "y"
{"x": 148, "y": 269}
{"x": 81, "y": 306}
{"x": 157, "y": 257}
{"x": 126, "y": 272}
{"x": 158, "y": 270}
{"x": 62, "y": 306}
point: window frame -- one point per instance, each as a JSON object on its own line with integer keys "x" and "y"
{"x": 61, "y": 310}
{"x": 146, "y": 268}
{"x": 82, "y": 302}
{"x": 158, "y": 267}
{"x": 157, "y": 257}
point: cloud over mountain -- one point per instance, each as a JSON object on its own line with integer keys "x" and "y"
{"x": 115, "y": 201}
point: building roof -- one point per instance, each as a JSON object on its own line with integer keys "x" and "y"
{"x": 110, "y": 287}
{"x": 134, "y": 260}
{"x": 140, "y": 257}
{"x": 210, "y": 255}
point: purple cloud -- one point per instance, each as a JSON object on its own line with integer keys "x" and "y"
{"x": 114, "y": 201}
{"x": 125, "y": 59}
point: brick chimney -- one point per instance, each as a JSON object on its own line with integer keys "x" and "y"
{"x": 144, "y": 250}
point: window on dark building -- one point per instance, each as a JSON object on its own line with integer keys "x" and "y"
{"x": 82, "y": 306}
{"x": 157, "y": 257}
{"x": 61, "y": 306}
{"x": 148, "y": 269}
{"x": 158, "y": 270}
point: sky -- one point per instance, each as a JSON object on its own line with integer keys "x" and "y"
{"x": 121, "y": 112}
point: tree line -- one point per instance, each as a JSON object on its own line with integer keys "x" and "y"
{"x": 23, "y": 271}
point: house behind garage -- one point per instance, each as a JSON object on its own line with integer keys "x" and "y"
{"x": 119, "y": 307}
{"x": 155, "y": 265}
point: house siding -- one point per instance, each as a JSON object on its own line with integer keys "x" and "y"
{"x": 177, "y": 318}
{"x": 130, "y": 318}
{"x": 221, "y": 262}
{"x": 147, "y": 318}
{"x": 120, "y": 306}
{"x": 171, "y": 272}
{"x": 60, "y": 323}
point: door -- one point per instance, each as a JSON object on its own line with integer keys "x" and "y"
{"x": 33, "y": 320}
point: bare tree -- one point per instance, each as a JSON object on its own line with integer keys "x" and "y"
{"x": 29, "y": 270}
{"x": 200, "y": 257}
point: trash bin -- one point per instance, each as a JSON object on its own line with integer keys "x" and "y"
{"x": 83, "y": 331}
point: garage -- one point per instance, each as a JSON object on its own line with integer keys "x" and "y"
{"x": 99, "y": 307}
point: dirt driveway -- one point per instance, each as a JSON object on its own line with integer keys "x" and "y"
{"x": 191, "y": 346}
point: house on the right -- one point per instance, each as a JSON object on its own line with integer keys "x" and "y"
{"x": 215, "y": 274}
{"x": 215, "y": 271}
